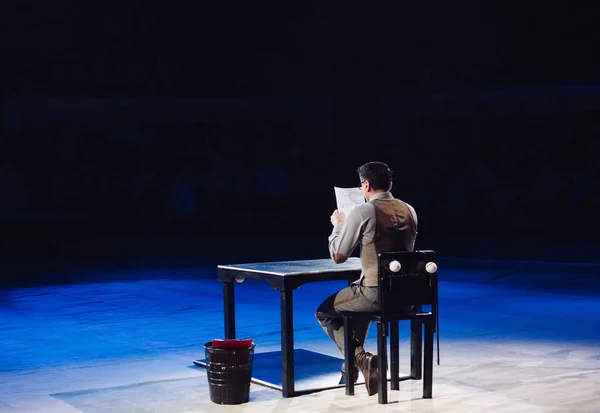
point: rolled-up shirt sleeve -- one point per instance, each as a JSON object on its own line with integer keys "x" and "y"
{"x": 343, "y": 240}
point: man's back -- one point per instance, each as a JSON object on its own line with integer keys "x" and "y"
{"x": 395, "y": 230}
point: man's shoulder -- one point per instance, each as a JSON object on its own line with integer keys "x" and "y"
{"x": 364, "y": 210}
{"x": 366, "y": 207}
{"x": 404, "y": 203}
{"x": 392, "y": 200}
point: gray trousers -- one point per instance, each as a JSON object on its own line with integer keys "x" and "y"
{"x": 352, "y": 298}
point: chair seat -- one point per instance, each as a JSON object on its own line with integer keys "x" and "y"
{"x": 378, "y": 316}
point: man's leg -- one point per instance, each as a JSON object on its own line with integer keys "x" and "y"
{"x": 351, "y": 298}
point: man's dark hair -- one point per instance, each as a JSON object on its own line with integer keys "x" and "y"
{"x": 378, "y": 174}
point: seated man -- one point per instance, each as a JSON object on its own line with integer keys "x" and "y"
{"x": 382, "y": 224}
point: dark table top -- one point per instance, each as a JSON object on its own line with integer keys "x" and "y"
{"x": 292, "y": 274}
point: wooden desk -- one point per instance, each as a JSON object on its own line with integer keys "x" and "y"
{"x": 285, "y": 276}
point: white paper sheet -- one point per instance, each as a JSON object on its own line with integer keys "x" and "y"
{"x": 348, "y": 198}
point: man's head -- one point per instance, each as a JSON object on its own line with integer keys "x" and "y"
{"x": 375, "y": 177}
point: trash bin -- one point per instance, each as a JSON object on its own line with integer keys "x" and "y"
{"x": 229, "y": 371}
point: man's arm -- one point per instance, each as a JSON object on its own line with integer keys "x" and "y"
{"x": 345, "y": 235}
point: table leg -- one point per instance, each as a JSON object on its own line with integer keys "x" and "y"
{"x": 229, "y": 309}
{"x": 287, "y": 343}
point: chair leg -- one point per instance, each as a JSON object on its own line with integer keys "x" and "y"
{"x": 382, "y": 363}
{"x": 394, "y": 355}
{"x": 349, "y": 356}
{"x": 428, "y": 356}
{"x": 416, "y": 349}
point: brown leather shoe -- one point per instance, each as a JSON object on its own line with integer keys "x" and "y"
{"x": 367, "y": 363}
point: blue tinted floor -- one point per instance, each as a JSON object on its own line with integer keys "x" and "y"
{"x": 514, "y": 337}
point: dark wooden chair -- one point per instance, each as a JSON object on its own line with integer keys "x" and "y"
{"x": 412, "y": 282}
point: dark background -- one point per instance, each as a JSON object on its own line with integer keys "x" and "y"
{"x": 217, "y": 130}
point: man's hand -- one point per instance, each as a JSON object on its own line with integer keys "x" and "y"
{"x": 337, "y": 218}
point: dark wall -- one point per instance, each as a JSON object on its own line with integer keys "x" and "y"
{"x": 234, "y": 47}
{"x": 487, "y": 169}
{"x": 324, "y": 88}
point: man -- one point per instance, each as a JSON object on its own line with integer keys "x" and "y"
{"x": 382, "y": 224}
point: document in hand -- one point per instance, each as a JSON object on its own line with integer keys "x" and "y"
{"x": 348, "y": 198}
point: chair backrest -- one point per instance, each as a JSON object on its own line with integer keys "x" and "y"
{"x": 412, "y": 284}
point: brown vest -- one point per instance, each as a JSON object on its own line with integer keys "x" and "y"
{"x": 395, "y": 230}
